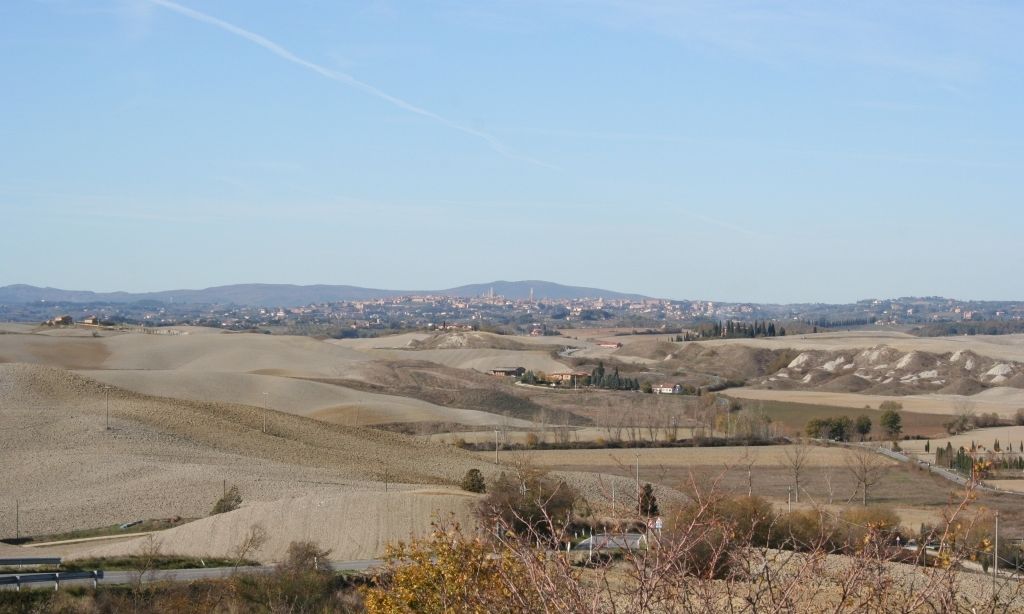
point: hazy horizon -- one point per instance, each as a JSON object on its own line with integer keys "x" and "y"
{"x": 539, "y": 296}
{"x": 783, "y": 153}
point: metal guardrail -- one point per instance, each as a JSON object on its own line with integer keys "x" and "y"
{"x": 57, "y": 577}
{"x": 30, "y": 561}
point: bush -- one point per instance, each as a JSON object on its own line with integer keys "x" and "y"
{"x": 750, "y": 517}
{"x": 531, "y": 502}
{"x": 303, "y": 582}
{"x": 883, "y": 521}
{"x": 305, "y": 556}
{"x": 985, "y": 420}
{"x": 473, "y": 481}
{"x": 648, "y": 502}
{"x": 803, "y": 530}
{"x": 891, "y": 420}
{"x": 1018, "y": 418}
{"x": 229, "y": 502}
{"x": 452, "y": 572}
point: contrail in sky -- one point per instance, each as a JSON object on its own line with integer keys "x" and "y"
{"x": 345, "y": 78}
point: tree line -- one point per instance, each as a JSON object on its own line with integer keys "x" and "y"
{"x": 734, "y": 329}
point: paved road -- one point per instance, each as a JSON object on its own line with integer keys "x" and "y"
{"x": 202, "y": 573}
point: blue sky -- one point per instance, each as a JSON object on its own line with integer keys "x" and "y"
{"x": 762, "y": 151}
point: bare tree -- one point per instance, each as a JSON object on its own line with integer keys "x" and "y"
{"x": 797, "y": 455}
{"x": 867, "y": 468}
{"x": 542, "y": 419}
{"x": 653, "y": 424}
{"x": 670, "y": 424}
{"x": 146, "y": 560}
{"x": 634, "y": 430}
{"x": 252, "y": 542}
{"x": 747, "y": 461}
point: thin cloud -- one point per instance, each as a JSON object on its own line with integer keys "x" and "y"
{"x": 345, "y": 78}
{"x": 721, "y": 224}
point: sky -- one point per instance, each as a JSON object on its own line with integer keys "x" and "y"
{"x": 784, "y": 151}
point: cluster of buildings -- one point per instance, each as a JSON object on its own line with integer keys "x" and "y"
{"x": 523, "y": 316}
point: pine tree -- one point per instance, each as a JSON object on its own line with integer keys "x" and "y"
{"x": 648, "y": 502}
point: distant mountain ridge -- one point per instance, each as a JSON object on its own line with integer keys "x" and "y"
{"x": 288, "y": 295}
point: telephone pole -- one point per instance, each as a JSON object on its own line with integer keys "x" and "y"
{"x": 264, "y": 412}
{"x": 995, "y": 560}
{"x": 106, "y": 391}
{"x": 639, "y": 499}
{"x": 495, "y": 446}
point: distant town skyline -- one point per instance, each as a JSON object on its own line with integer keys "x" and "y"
{"x": 777, "y": 153}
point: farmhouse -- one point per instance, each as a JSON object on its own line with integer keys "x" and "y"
{"x": 573, "y": 378}
{"x": 668, "y": 389}
{"x": 508, "y": 371}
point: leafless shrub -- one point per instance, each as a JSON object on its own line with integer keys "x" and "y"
{"x": 252, "y": 542}
{"x": 797, "y": 456}
{"x": 867, "y": 468}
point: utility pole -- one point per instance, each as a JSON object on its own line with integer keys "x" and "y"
{"x": 17, "y": 519}
{"x": 264, "y": 412}
{"x": 995, "y": 560}
{"x": 106, "y": 390}
{"x": 495, "y": 446}
{"x": 639, "y": 499}
{"x": 613, "y": 498}
{"x": 790, "y": 497}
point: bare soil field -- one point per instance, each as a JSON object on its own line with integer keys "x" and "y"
{"x": 1008, "y": 436}
{"x": 513, "y": 436}
{"x": 719, "y": 456}
{"x": 827, "y": 480}
{"x": 999, "y": 347}
{"x": 327, "y": 402}
{"x": 482, "y": 360}
{"x": 187, "y": 417}
{"x": 357, "y": 524}
{"x": 1003, "y": 401}
{"x": 464, "y": 350}
{"x": 237, "y": 352}
{"x": 791, "y": 418}
{"x": 166, "y": 457}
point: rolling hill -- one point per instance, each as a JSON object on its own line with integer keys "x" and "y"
{"x": 289, "y": 295}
